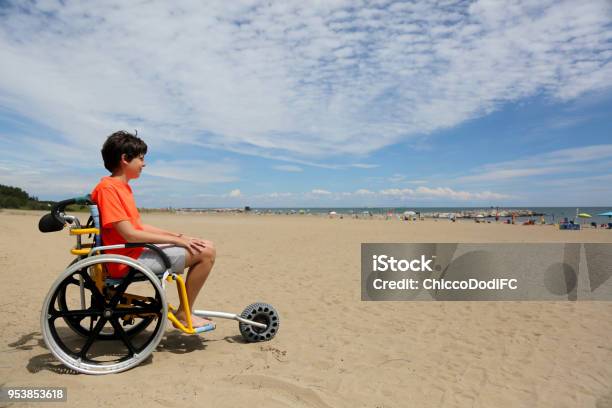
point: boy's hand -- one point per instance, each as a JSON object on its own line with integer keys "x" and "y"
{"x": 205, "y": 242}
{"x": 193, "y": 245}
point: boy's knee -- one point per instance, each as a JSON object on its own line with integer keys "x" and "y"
{"x": 210, "y": 246}
{"x": 208, "y": 254}
{"x": 212, "y": 253}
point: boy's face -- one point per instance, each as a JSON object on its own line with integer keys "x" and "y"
{"x": 133, "y": 168}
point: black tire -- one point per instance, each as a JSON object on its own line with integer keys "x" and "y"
{"x": 80, "y": 327}
{"x": 260, "y": 313}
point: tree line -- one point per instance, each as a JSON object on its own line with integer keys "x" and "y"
{"x": 14, "y": 197}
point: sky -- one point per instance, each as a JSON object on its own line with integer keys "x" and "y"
{"x": 313, "y": 104}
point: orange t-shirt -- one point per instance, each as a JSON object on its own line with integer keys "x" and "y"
{"x": 115, "y": 202}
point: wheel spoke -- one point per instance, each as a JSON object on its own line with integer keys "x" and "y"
{"x": 91, "y": 285}
{"x": 124, "y": 338}
{"x": 92, "y": 336}
{"x": 72, "y": 281}
{"x": 76, "y": 313}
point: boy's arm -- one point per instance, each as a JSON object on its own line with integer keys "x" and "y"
{"x": 131, "y": 234}
{"x": 155, "y": 230}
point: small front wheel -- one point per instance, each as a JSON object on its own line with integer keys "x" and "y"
{"x": 260, "y": 313}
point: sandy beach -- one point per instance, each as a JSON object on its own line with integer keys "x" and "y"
{"x": 332, "y": 350}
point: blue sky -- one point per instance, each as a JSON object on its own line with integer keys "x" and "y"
{"x": 306, "y": 104}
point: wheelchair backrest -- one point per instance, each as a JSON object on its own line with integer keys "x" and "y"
{"x": 95, "y": 216}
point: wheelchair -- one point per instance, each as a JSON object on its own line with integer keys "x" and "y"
{"x": 96, "y": 324}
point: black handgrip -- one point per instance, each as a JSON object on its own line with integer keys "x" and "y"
{"x": 48, "y": 223}
{"x": 154, "y": 248}
{"x": 54, "y": 221}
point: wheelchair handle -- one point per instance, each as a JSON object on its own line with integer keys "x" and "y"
{"x": 56, "y": 219}
{"x": 58, "y": 208}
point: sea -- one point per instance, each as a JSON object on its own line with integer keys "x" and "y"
{"x": 551, "y": 214}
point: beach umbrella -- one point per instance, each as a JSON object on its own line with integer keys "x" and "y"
{"x": 409, "y": 213}
{"x": 584, "y": 215}
{"x": 606, "y": 214}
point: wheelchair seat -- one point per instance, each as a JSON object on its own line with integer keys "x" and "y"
{"x": 138, "y": 277}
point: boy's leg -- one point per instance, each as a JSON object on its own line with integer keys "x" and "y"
{"x": 200, "y": 265}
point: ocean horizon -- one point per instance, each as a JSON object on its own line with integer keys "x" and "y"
{"x": 550, "y": 214}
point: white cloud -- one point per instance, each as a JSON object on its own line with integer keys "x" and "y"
{"x": 193, "y": 171}
{"x": 395, "y": 195}
{"x": 589, "y": 159}
{"x": 364, "y": 165}
{"x": 442, "y": 193}
{"x": 307, "y": 80}
{"x": 445, "y": 192}
{"x": 289, "y": 168}
{"x": 235, "y": 193}
{"x": 397, "y": 178}
{"x": 46, "y": 181}
{"x": 276, "y": 195}
{"x": 504, "y": 174}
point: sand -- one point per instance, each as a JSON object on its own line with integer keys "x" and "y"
{"x": 333, "y": 350}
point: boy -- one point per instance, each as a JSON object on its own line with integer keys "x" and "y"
{"x": 123, "y": 155}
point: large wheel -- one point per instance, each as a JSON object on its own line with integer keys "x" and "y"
{"x": 70, "y": 295}
{"x": 260, "y": 313}
{"x": 107, "y": 347}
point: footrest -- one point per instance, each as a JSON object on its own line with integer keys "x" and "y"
{"x": 206, "y": 328}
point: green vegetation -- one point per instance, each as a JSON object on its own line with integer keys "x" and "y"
{"x": 77, "y": 208}
{"x": 14, "y": 197}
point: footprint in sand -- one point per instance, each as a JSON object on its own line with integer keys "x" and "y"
{"x": 281, "y": 388}
{"x": 279, "y": 355}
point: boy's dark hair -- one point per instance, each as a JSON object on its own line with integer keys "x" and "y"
{"x": 120, "y": 143}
